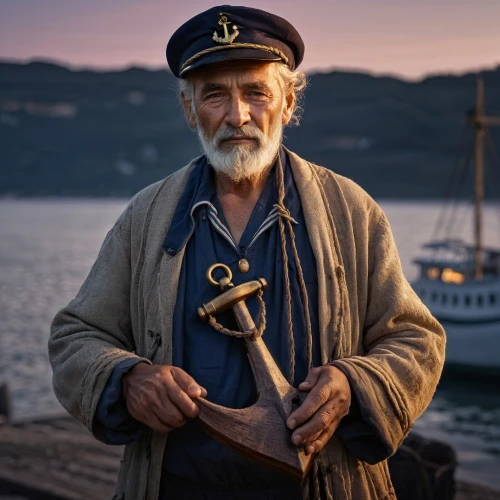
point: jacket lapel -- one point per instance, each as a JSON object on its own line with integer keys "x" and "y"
{"x": 168, "y": 268}
{"x": 321, "y": 237}
{"x": 168, "y": 281}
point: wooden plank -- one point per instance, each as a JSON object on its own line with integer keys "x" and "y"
{"x": 56, "y": 459}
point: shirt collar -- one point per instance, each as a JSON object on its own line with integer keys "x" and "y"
{"x": 200, "y": 190}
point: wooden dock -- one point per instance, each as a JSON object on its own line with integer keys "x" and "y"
{"x": 57, "y": 459}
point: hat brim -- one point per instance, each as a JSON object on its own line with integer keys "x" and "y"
{"x": 230, "y": 54}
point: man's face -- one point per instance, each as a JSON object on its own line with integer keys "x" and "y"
{"x": 239, "y": 109}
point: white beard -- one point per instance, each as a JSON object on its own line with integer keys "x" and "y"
{"x": 241, "y": 161}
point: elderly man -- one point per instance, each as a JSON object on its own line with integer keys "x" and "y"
{"x": 130, "y": 354}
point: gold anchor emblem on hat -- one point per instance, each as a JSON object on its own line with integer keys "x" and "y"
{"x": 227, "y": 37}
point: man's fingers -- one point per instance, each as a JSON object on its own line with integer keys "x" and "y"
{"x": 323, "y": 439}
{"x": 188, "y": 384}
{"x": 153, "y": 413}
{"x": 166, "y": 391}
{"x": 308, "y": 448}
{"x": 311, "y": 380}
{"x": 318, "y": 396}
{"x": 168, "y": 412}
{"x": 155, "y": 423}
{"x": 321, "y": 420}
{"x": 326, "y": 404}
{"x": 180, "y": 399}
{"x": 320, "y": 442}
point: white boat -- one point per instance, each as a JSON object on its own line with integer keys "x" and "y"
{"x": 460, "y": 283}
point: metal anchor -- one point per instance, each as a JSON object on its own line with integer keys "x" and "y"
{"x": 258, "y": 432}
{"x": 228, "y": 38}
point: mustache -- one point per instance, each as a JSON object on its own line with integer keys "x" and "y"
{"x": 245, "y": 131}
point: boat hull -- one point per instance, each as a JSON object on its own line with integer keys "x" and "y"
{"x": 470, "y": 314}
{"x": 473, "y": 345}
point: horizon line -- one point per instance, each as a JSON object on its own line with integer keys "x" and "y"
{"x": 322, "y": 70}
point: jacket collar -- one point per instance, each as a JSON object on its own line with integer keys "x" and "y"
{"x": 198, "y": 190}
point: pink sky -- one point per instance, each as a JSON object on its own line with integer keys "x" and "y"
{"x": 403, "y": 37}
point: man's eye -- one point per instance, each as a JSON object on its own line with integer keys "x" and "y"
{"x": 255, "y": 93}
{"x": 214, "y": 95}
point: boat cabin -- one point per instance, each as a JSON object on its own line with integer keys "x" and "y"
{"x": 447, "y": 283}
{"x": 453, "y": 261}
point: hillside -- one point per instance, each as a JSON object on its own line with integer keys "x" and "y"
{"x": 90, "y": 133}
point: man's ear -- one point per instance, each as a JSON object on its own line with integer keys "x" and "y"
{"x": 187, "y": 104}
{"x": 289, "y": 107}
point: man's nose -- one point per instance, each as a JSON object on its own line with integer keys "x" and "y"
{"x": 238, "y": 113}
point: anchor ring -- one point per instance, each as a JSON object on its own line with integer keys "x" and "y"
{"x": 212, "y": 268}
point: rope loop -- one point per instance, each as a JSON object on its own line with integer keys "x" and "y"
{"x": 255, "y": 333}
{"x": 283, "y": 212}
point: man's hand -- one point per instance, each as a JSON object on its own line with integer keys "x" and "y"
{"x": 161, "y": 396}
{"x": 319, "y": 416}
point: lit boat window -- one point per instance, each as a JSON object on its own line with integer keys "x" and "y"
{"x": 450, "y": 276}
{"x": 433, "y": 273}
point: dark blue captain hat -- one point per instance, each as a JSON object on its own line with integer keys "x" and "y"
{"x": 226, "y": 32}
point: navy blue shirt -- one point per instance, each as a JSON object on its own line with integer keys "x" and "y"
{"x": 219, "y": 362}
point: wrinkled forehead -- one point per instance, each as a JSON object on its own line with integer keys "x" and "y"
{"x": 236, "y": 74}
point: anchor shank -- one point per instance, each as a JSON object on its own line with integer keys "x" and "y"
{"x": 266, "y": 372}
{"x": 243, "y": 317}
{"x": 267, "y": 375}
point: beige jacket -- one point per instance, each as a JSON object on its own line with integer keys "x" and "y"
{"x": 371, "y": 322}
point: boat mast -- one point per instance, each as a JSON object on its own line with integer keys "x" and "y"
{"x": 480, "y": 122}
{"x": 479, "y": 185}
